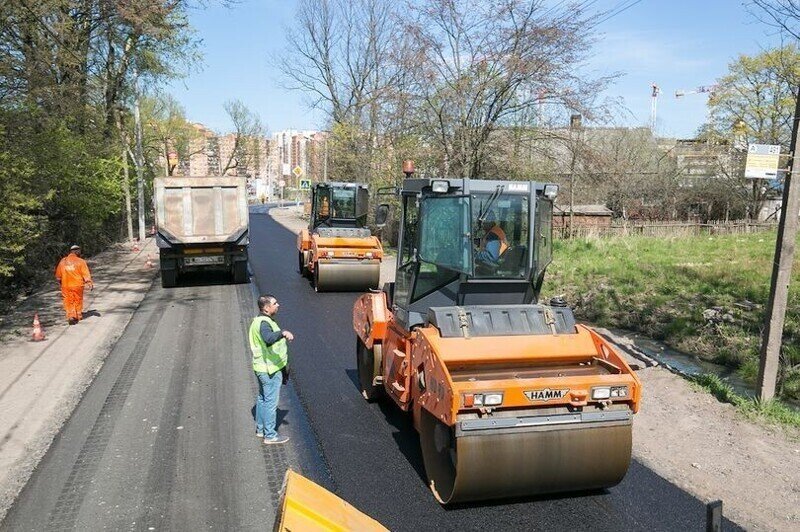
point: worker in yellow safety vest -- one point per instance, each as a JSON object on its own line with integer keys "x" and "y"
{"x": 268, "y": 344}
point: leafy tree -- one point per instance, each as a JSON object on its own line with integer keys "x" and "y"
{"x": 756, "y": 97}
{"x": 167, "y": 130}
{"x": 753, "y": 103}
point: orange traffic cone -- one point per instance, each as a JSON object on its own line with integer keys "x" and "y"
{"x": 149, "y": 262}
{"x": 152, "y": 229}
{"x": 135, "y": 248}
{"x": 38, "y": 333}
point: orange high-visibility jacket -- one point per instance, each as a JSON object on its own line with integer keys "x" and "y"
{"x": 501, "y": 236}
{"x": 73, "y": 272}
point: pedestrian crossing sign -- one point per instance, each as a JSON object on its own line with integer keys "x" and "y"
{"x": 305, "y": 184}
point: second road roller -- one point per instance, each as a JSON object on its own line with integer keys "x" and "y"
{"x": 338, "y": 251}
{"x": 511, "y": 397}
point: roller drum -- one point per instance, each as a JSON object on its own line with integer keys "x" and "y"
{"x": 500, "y": 464}
{"x": 347, "y": 275}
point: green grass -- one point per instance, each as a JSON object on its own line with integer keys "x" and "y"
{"x": 660, "y": 287}
{"x": 772, "y": 411}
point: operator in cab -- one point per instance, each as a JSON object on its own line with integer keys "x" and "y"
{"x": 493, "y": 243}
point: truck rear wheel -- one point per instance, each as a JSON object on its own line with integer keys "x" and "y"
{"x": 240, "y": 272}
{"x": 169, "y": 278}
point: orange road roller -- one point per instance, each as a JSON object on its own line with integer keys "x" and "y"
{"x": 510, "y": 396}
{"x": 337, "y": 251}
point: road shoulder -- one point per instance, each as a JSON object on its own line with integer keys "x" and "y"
{"x": 42, "y": 382}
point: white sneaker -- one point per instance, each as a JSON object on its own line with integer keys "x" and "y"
{"x": 276, "y": 440}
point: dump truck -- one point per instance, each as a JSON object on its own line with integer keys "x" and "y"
{"x": 201, "y": 224}
{"x": 337, "y": 251}
{"x": 510, "y": 396}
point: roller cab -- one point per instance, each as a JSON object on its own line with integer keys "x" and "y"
{"x": 338, "y": 252}
{"x": 510, "y": 397}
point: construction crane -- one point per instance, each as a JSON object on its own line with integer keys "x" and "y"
{"x": 654, "y": 105}
{"x": 709, "y": 89}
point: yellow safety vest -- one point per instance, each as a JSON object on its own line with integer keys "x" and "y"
{"x": 267, "y": 358}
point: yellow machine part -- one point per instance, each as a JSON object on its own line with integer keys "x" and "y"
{"x": 305, "y": 506}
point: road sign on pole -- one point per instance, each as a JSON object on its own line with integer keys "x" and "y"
{"x": 762, "y": 161}
{"x": 305, "y": 184}
{"x": 297, "y": 171}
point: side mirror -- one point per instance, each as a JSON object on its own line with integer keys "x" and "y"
{"x": 381, "y": 214}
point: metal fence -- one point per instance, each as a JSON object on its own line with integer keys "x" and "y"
{"x": 664, "y": 229}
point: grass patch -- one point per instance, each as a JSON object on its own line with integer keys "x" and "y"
{"x": 703, "y": 295}
{"x": 771, "y": 411}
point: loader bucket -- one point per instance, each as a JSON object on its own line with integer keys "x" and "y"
{"x": 306, "y": 506}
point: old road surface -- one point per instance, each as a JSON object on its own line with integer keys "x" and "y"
{"x": 164, "y": 439}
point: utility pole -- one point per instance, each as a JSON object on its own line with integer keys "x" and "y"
{"x": 139, "y": 157}
{"x": 781, "y": 273}
{"x": 126, "y": 190}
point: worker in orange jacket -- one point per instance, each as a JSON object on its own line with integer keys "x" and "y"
{"x": 73, "y": 274}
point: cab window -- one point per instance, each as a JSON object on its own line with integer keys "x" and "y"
{"x": 500, "y": 243}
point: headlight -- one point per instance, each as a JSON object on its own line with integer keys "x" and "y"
{"x": 601, "y": 393}
{"x": 440, "y": 186}
{"x": 330, "y": 254}
{"x": 619, "y": 391}
{"x": 492, "y": 399}
{"x": 551, "y": 191}
{"x": 609, "y": 392}
{"x": 482, "y": 399}
{"x": 368, "y": 254}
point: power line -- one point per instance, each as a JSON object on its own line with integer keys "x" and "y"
{"x": 617, "y": 10}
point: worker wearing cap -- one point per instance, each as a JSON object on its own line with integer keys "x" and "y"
{"x": 268, "y": 343}
{"x": 73, "y": 274}
{"x": 494, "y": 242}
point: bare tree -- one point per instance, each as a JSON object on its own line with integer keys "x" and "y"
{"x": 477, "y": 64}
{"x": 247, "y": 130}
{"x": 340, "y": 54}
{"x": 781, "y": 14}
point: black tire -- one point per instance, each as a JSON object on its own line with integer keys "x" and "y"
{"x": 240, "y": 272}
{"x": 368, "y": 362}
{"x": 169, "y": 278}
{"x": 302, "y": 263}
{"x": 316, "y": 277}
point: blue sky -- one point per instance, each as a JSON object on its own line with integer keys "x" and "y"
{"x": 678, "y": 44}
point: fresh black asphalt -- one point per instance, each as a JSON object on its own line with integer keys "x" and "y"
{"x": 372, "y": 450}
{"x": 164, "y": 439}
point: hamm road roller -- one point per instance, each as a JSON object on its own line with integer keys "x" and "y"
{"x": 337, "y": 250}
{"x": 510, "y": 397}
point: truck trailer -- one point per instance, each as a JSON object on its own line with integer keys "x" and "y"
{"x": 201, "y": 224}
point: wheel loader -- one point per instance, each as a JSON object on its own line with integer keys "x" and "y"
{"x": 510, "y": 396}
{"x": 338, "y": 251}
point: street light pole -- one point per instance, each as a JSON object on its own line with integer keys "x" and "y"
{"x": 139, "y": 155}
{"x": 781, "y": 274}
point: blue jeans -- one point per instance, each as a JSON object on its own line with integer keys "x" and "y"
{"x": 269, "y": 389}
